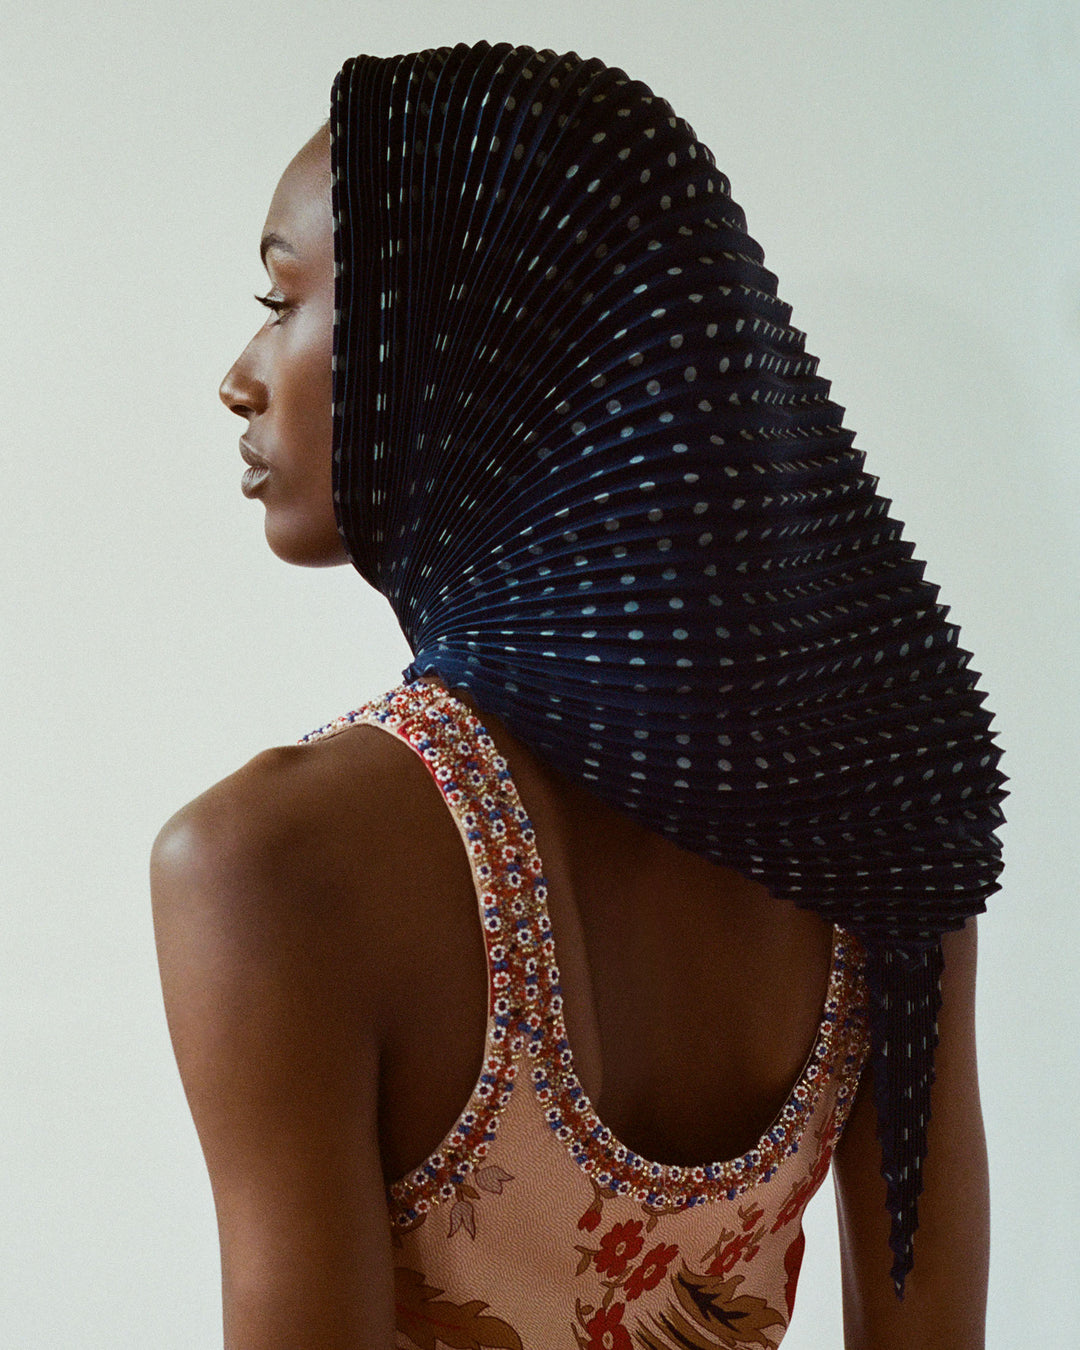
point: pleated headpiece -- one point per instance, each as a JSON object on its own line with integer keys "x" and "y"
{"x": 584, "y": 454}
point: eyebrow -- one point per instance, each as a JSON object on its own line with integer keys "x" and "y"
{"x": 273, "y": 240}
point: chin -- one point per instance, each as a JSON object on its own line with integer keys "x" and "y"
{"x": 302, "y": 547}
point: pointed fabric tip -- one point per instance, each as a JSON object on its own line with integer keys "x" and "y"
{"x": 905, "y": 998}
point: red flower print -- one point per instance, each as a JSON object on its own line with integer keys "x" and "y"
{"x": 606, "y": 1331}
{"x": 820, "y": 1170}
{"x": 590, "y": 1219}
{"x": 751, "y": 1216}
{"x": 651, "y": 1271}
{"x": 792, "y": 1265}
{"x": 732, "y": 1253}
{"x": 618, "y": 1248}
{"x": 793, "y": 1206}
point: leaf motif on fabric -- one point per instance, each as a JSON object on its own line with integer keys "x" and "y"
{"x": 710, "y": 1306}
{"x": 430, "y": 1322}
{"x": 492, "y": 1178}
{"x": 712, "y": 1315}
{"x": 462, "y": 1215}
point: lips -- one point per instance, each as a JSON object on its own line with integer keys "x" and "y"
{"x": 257, "y": 472}
{"x": 255, "y": 461}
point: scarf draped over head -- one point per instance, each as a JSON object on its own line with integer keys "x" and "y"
{"x": 582, "y": 451}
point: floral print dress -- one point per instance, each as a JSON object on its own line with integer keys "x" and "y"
{"x": 532, "y": 1227}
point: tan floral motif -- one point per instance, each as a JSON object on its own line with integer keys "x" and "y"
{"x": 463, "y": 1210}
{"x": 431, "y": 1323}
{"x": 492, "y": 1179}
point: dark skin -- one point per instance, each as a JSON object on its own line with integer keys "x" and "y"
{"x": 325, "y": 984}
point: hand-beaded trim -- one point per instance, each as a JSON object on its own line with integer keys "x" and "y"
{"x": 838, "y": 1055}
{"x": 475, "y": 782}
{"x": 525, "y": 998}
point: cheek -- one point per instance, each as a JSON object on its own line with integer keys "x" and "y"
{"x": 306, "y": 506}
{"x": 300, "y": 523}
{"x": 300, "y": 402}
{"x": 310, "y": 382}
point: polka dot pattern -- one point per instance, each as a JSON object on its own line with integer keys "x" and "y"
{"x": 584, "y": 453}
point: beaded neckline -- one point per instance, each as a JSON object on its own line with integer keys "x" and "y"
{"x": 526, "y": 1030}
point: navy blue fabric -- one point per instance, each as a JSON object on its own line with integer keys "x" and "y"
{"x": 583, "y": 452}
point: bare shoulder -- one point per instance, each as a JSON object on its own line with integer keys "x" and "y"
{"x": 285, "y": 899}
{"x": 262, "y": 889}
{"x": 319, "y": 894}
{"x": 272, "y": 893}
{"x": 302, "y": 841}
{"x": 291, "y": 812}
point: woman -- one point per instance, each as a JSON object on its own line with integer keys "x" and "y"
{"x": 525, "y": 369}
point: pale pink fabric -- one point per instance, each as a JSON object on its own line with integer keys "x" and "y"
{"x": 532, "y": 1227}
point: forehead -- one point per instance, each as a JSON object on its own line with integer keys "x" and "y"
{"x": 300, "y": 210}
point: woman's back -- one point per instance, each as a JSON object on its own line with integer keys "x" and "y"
{"x": 324, "y": 977}
{"x": 690, "y": 1140}
{"x": 692, "y": 997}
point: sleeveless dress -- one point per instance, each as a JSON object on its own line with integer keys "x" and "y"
{"x": 532, "y": 1227}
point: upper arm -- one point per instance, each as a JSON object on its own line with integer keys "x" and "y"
{"x": 944, "y": 1302}
{"x": 263, "y": 967}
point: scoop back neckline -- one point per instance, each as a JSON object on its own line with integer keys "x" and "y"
{"x": 651, "y": 1179}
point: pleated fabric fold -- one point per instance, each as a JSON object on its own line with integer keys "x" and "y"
{"x": 583, "y": 452}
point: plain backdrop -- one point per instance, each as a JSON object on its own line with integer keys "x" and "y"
{"x": 911, "y": 171}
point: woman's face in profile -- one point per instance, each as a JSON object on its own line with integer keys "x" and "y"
{"x": 280, "y": 383}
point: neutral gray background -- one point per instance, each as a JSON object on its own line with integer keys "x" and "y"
{"x": 911, "y": 170}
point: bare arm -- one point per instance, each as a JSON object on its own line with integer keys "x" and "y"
{"x": 944, "y": 1305}
{"x": 263, "y": 970}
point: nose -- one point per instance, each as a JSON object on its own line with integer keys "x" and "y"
{"x": 241, "y": 391}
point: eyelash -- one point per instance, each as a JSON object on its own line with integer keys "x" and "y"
{"x": 278, "y": 307}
